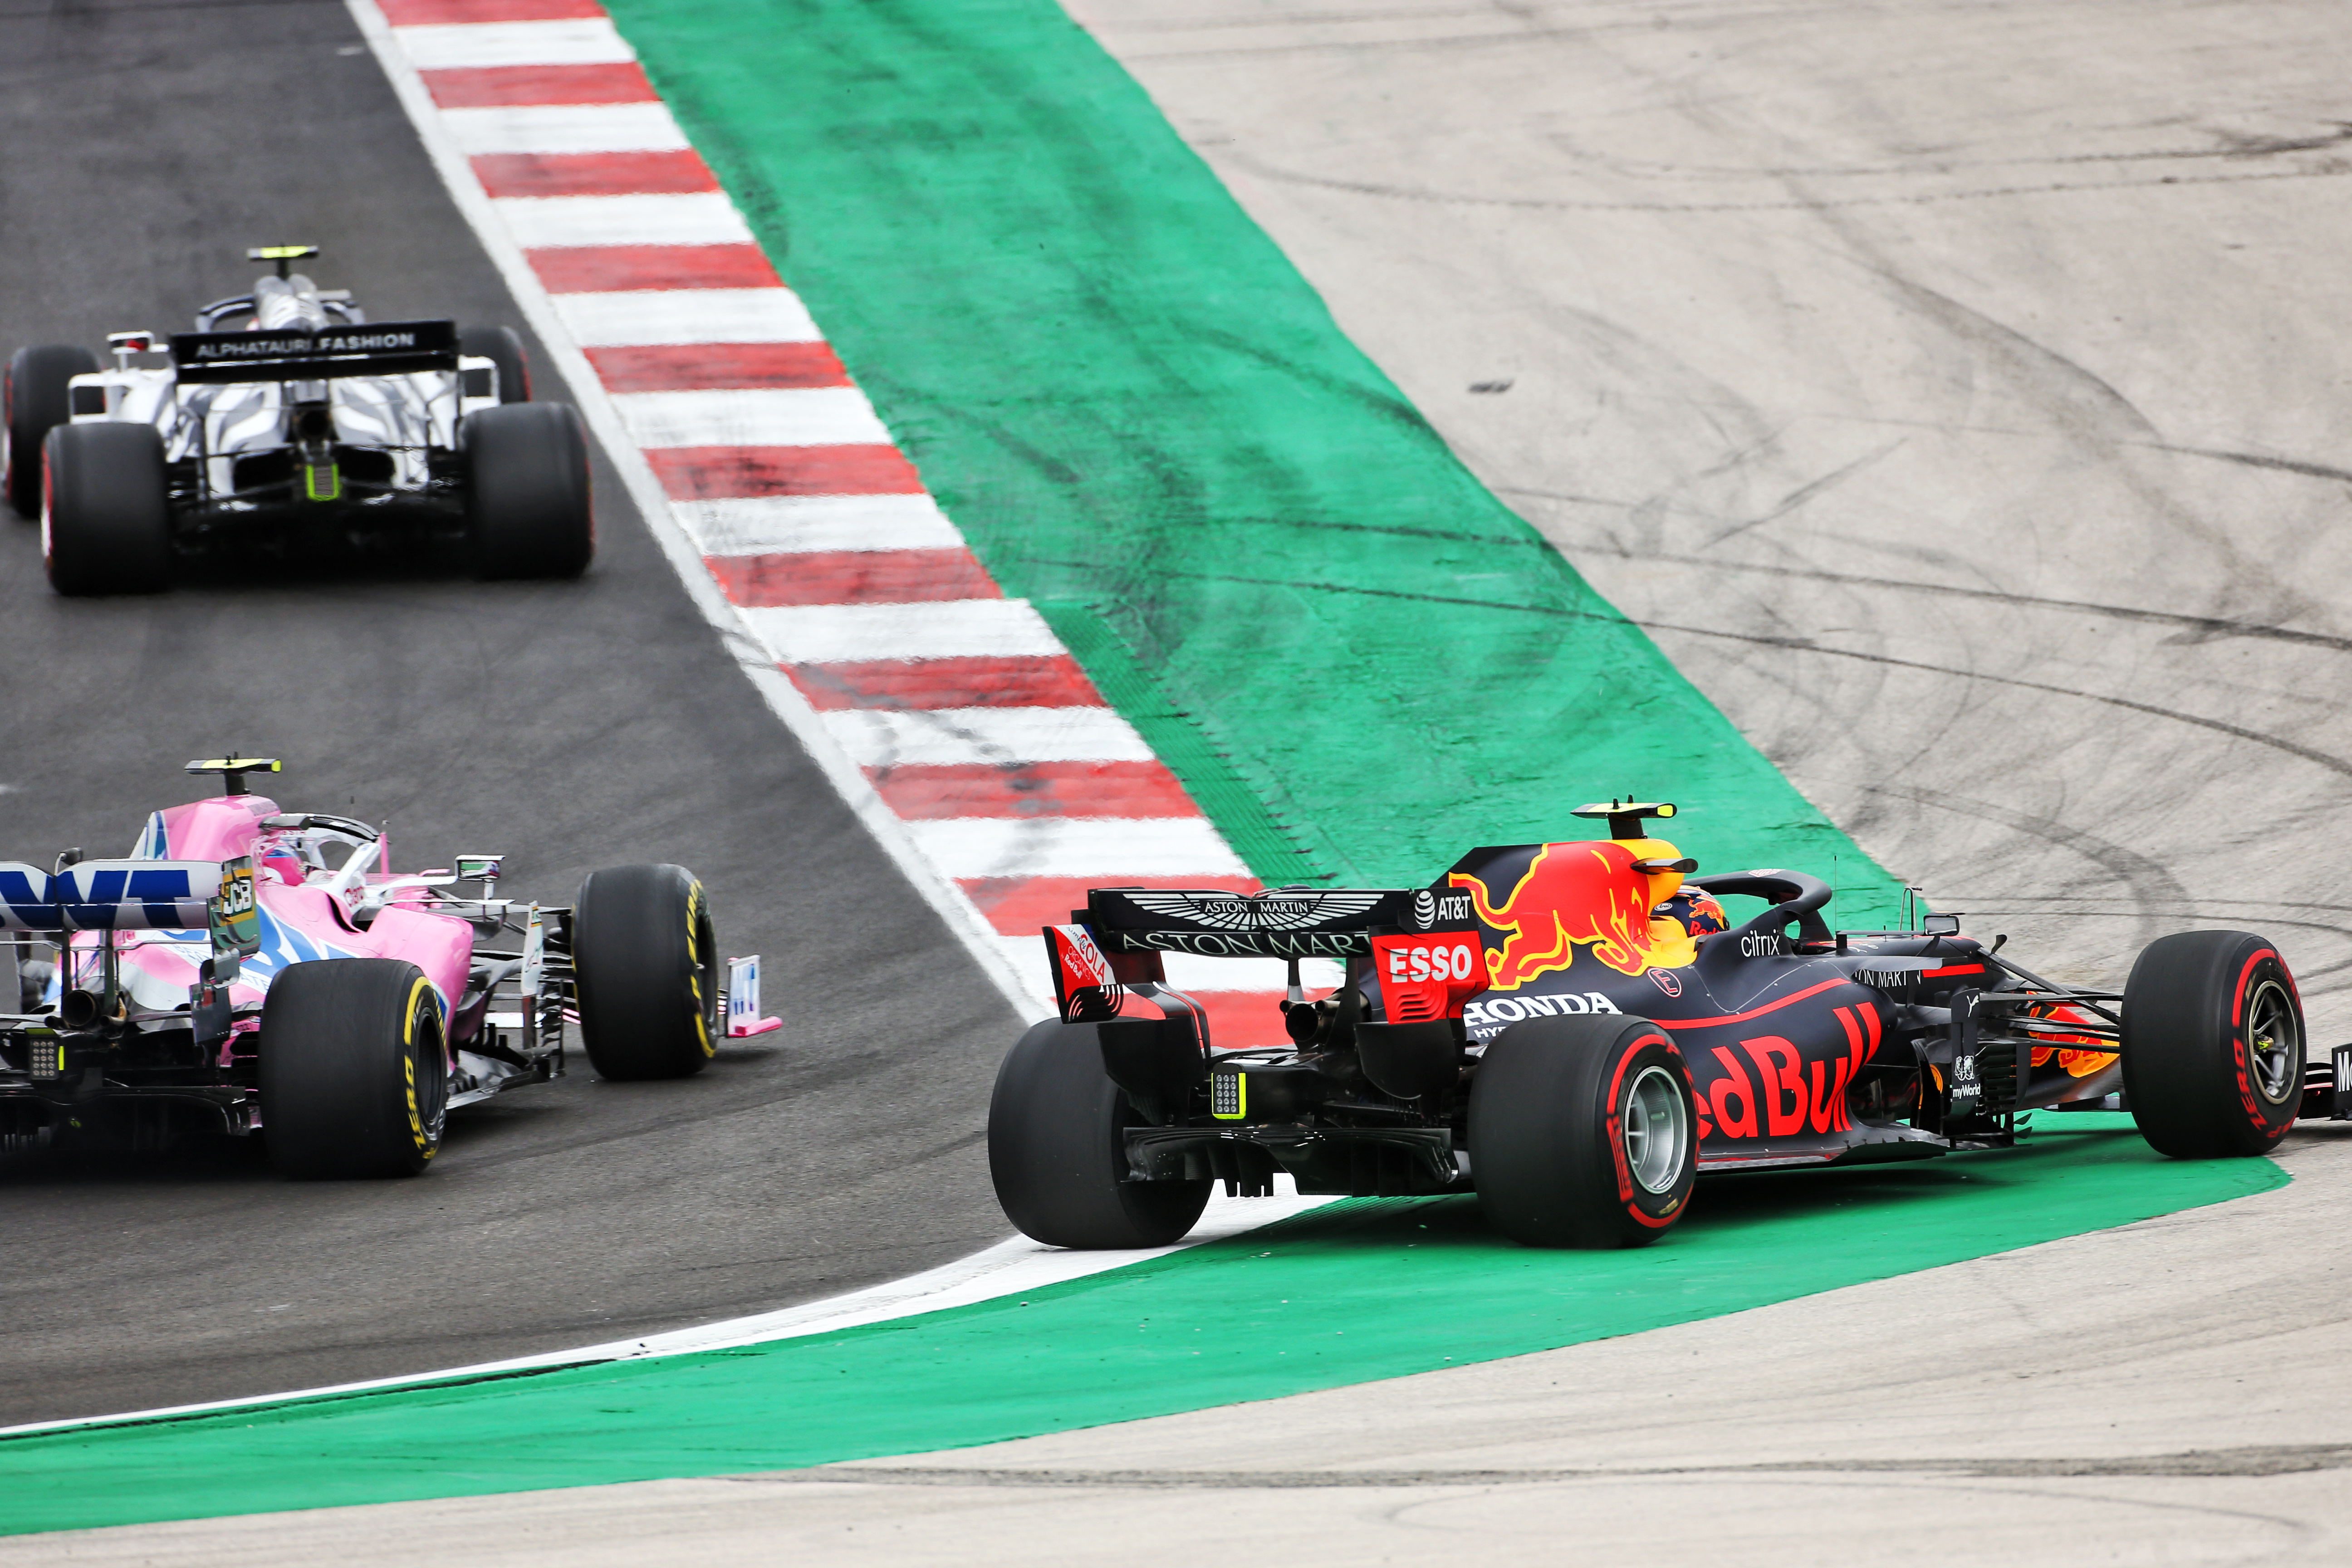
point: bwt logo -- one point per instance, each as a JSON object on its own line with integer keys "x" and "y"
{"x": 1759, "y": 944}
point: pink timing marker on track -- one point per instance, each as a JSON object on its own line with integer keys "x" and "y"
{"x": 1044, "y": 681}
{"x": 608, "y": 268}
{"x": 516, "y": 86}
{"x": 724, "y": 473}
{"x": 853, "y": 577}
{"x": 677, "y": 172}
{"x": 690, "y": 367}
{"x": 936, "y": 791}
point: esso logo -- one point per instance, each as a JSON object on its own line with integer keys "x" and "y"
{"x": 1420, "y": 964}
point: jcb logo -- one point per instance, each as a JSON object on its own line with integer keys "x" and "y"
{"x": 237, "y": 889}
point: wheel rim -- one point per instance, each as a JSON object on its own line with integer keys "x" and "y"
{"x": 1657, "y": 1130}
{"x": 431, "y": 1057}
{"x": 2273, "y": 1041}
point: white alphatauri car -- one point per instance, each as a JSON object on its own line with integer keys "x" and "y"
{"x": 286, "y": 417}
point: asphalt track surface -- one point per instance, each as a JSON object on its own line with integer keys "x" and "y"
{"x": 1956, "y": 390}
{"x": 568, "y": 725}
{"x": 1960, "y": 380}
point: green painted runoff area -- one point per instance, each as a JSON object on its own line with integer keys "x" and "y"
{"x": 1360, "y": 1289}
{"x": 1146, "y": 422}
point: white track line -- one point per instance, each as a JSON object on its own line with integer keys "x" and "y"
{"x": 937, "y": 737}
{"x": 1000, "y": 1270}
{"x": 1106, "y": 848}
{"x": 952, "y": 629}
{"x": 541, "y": 223}
{"x": 644, "y": 317}
{"x": 584, "y": 41}
{"x": 764, "y": 416}
{"x": 791, "y": 524}
{"x": 566, "y": 128}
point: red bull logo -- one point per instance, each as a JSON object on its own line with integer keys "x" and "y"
{"x": 1571, "y": 896}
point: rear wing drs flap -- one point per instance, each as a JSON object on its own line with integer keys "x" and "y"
{"x": 375, "y": 348}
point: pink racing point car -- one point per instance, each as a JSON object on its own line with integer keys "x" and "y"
{"x": 247, "y": 969}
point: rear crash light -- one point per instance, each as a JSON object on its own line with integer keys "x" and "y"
{"x": 1228, "y": 1096}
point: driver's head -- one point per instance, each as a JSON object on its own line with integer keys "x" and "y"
{"x": 1696, "y": 909}
{"x": 1661, "y": 864}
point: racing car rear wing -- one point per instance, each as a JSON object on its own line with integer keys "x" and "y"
{"x": 121, "y": 895}
{"x": 1283, "y": 923}
{"x": 376, "y": 348}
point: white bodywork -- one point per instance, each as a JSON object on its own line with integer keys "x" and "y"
{"x": 405, "y": 417}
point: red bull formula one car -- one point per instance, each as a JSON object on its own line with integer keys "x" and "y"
{"x": 1577, "y": 1031}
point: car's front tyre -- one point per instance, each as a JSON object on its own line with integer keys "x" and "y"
{"x": 1583, "y": 1132}
{"x": 354, "y": 1073}
{"x": 645, "y": 957}
{"x": 106, "y": 519}
{"x": 2213, "y": 1045}
{"x": 1057, "y": 1150}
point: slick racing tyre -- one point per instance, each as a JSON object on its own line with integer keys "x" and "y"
{"x": 2212, "y": 1043}
{"x": 646, "y": 962}
{"x": 1057, "y": 1150}
{"x": 106, "y": 524}
{"x": 354, "y": 1075}
{"x": 502, "y": 348}
{"x": 526, "y": 477}
{"x": 1582, "y": 1132}
{"x": 37, "y": 399}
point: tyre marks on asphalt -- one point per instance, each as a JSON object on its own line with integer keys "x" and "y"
{"x": 959, "y": 706}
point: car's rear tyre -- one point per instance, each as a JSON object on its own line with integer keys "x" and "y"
{"x": 1583, "y": 1132}
{"x": 36, "y": 400}
{"x": 502, "y": 347}
{"x": 2213, "y": 1045}
{"x": 1057, "y": 1150}
{"x": 354, "y": 1074}
{"x": 646, "y": 962}
{"x": 527, "y": 503}
{"x": 106, "y": 520}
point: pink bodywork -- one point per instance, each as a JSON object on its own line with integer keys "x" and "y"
{"x": 301, "y": 919}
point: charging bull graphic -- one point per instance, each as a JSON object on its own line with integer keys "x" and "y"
{"x": 1566, "y": 896}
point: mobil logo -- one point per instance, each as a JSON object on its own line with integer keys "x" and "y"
{"x": 1765, "y": 1086}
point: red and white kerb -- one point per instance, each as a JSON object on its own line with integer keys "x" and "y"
{"x": 968, "y": 716}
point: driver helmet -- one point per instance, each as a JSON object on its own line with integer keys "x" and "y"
{"x": 1696, "y": 909}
